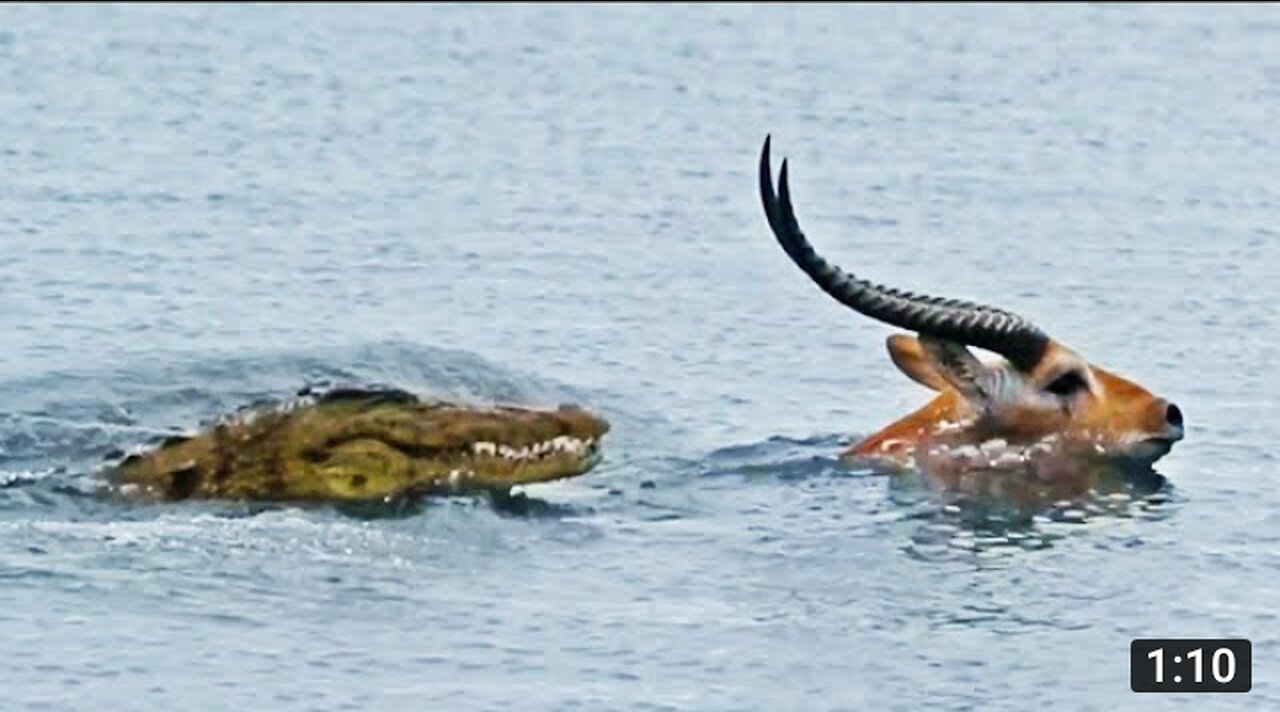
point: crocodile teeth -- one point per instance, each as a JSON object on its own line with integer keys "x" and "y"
{"x": 572, "y": 445}
{"x": 559, "y": 444}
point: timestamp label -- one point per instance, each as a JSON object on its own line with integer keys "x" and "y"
{"x": 1190, "y": 665}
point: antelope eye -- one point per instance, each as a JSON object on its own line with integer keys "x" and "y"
{"x": 1067, "y": 384}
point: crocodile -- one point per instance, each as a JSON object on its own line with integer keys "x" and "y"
{"x": 358, "y": 444}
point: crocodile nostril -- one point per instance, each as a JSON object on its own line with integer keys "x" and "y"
{"x": 1174, "y": 415}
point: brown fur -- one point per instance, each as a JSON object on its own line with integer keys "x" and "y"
{"x": 1113, "y": 416}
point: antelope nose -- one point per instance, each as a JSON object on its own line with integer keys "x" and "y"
{"x": 1174, "y": 415}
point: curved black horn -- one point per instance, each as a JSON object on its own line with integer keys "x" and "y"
{"x": 964, "y": 322}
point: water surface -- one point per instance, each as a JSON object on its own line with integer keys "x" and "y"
{"x": 203, "y": 206}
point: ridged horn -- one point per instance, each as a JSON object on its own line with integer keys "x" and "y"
{"x": 964, "y": 322}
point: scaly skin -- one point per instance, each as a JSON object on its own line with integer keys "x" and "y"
{"x": 356, "y": 445}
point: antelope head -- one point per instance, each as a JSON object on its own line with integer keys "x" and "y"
{"x": 1042, "y": 397}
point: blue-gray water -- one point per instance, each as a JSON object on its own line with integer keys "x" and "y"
{"x": 202, "y": 206}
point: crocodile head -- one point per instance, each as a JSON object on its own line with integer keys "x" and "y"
{"x": 351, "y": 445}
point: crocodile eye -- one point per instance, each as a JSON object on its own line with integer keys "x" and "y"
{"x": 1067, "y": 384}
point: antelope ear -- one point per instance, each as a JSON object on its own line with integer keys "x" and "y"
{"x": 960, "y": 369}
{"x": 909, "y": 356}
